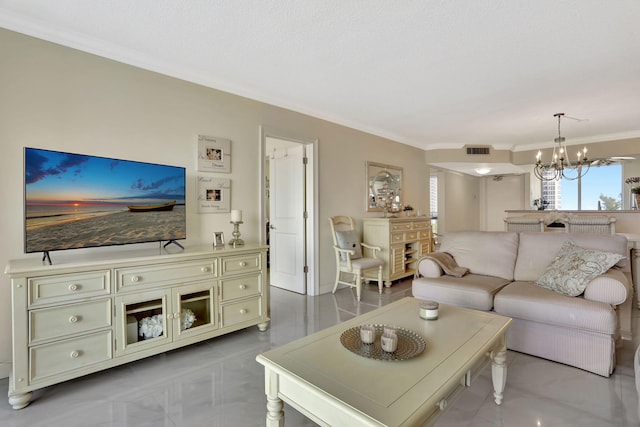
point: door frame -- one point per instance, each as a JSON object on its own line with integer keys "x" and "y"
{"x": 311, "y": 199}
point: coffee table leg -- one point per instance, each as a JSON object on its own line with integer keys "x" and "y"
{"x": 499, "y": 370}
{"x": 275, "y": 407}
{"x": 275, "y": 414}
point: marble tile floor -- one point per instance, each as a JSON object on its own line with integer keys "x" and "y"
{"x": 219, "y": 383}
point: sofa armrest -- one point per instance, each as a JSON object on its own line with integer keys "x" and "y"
{"x": 429, "y": 268}
{"x": 611, "y": 287}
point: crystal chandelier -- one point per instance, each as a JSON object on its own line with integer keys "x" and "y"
{"x": 560, "y": 167}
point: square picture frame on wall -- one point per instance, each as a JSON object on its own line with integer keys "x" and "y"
{"x": 214, "y": 154}
{"x": 214, "y": 194}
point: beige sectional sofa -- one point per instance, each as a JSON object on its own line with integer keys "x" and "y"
{"x": 580, "y": 331}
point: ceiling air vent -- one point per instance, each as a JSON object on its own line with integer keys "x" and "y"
{"x": 477, "y": 150}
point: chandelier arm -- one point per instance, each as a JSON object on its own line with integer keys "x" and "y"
{"x": 560, "y": 163}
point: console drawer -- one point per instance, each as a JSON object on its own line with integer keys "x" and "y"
{"x": 240, "y": 264}
{"x": 397, "y": 237}
{"x": 238, "y": 287}
{"x": 152, "y": 276}
{"x": 64, "y": 356}
{"x": 68, "y": 287}
{"x": 403, "y": 226}
{"x": 56, "y": 322}
{"x": 241, "y": 311}
{"x": 420, "y": 225}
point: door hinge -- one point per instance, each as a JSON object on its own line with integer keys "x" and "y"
{"x": 305, "y": 215}
{"x": 305, "y": 160}
{"x": 306, "y": 269}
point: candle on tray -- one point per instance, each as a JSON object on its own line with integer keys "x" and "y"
{"x": 236, "y": 215}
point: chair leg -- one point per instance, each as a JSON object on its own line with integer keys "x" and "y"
{"x": 358, "y": 285}
{"x": 380, "y": 280}
{"x": 335, "y": 287}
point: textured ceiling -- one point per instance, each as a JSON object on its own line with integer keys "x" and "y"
{"x": 429, "y": 73}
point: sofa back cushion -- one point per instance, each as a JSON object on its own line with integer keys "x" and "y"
{"x": 538, "y": 250}
{"x": 490, "y": 253}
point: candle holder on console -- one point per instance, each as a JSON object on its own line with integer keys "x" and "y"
{"x": 236, "y": 241}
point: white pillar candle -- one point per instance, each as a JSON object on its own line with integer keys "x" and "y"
{"x": 236, "y": 215}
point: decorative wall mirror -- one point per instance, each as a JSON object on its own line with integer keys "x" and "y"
{"x": 384, "y": 188}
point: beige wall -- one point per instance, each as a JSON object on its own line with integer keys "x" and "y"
{"x": 58, "y": 98}
{"x": 460, "y": 202}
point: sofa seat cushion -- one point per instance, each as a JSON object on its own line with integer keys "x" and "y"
{"x": 527, "y": 301}
{"x": 472, "y": 291}
{"x": 489, "y": 253}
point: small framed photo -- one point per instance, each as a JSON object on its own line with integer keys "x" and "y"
{"x": 218, "y": 239}
{"x": 214, "y": 154}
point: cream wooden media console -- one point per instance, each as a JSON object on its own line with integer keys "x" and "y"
{"x": 402, "y": 240}
{"x": 75, "y": 318}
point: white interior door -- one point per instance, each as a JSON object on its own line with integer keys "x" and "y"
{"x": 286, "y": 210}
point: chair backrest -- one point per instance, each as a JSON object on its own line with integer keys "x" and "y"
{"x": 340, "y": 223}
{"x": 591, "y": 224}
{"x": 523, "y": 224}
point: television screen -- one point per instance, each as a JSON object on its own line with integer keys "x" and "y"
{"x": 78, "y": 201}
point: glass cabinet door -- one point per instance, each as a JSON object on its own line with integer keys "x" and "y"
{"x": 194, "y": 309}
{"x": 142, "y": 321}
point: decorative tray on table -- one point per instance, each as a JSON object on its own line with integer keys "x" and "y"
{"x": 410, "y": 344}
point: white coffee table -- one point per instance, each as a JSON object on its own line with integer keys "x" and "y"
{"x": 335, "y": 387}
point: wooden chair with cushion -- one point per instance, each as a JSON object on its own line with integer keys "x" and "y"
{"x": 357, "y": 260}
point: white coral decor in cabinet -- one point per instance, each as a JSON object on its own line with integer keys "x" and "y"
{"x": 75, "y": 318}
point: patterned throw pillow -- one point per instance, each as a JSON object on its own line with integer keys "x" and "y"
{"x": 574, "y": 267}
{"x": 349, "y": 240}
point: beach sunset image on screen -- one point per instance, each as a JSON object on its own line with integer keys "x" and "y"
{"x": 76, "y": 201}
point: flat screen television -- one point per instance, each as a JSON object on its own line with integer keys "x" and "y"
{"x": 76, "y": 201}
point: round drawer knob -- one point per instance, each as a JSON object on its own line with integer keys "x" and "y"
{"x": 205, "y": 269}
{"x": 243, "y": 286}
{"x": 73, "y": 319}
{"x": 243, "y": 311}
{"x": 442, "y": 404}
{"x": 243, "y": 264}
{"x": 74, "y": 354}
{"x": 169, "y": 316}
{"x": 135, "y": 279}
{"x": 73, "y": 287}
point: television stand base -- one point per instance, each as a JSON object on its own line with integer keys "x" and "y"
{"x": 45, "y": 256}
{"x": 174, "y": 242}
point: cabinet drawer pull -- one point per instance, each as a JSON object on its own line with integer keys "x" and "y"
{"x": 205, "y": 269}
{"x": 243, "y": 311}
{"x": 243, "y": 263}
{"x": 73, "y": 319}
{"x": 135, "y": 279}
{"x": 73, "y": 287}
{"x": 74, "y": 354}
{"x": 243, "y": 287}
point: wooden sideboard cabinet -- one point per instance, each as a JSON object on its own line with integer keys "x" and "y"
{"x": 402, "y": 240}
{"x": 78, "y": 317}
